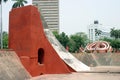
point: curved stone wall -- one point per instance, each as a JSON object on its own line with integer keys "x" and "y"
{"x": 99, "y": 47}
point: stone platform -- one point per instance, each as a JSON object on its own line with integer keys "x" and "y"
{"x": 80, "y": 76}
{"x": 96, "y": 73}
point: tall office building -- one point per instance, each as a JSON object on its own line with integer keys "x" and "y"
{"x": 50, "y": 12}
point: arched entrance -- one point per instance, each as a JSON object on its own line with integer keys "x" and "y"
{"x": 40, "y": 56}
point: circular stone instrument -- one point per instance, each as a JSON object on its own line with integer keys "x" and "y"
{"x": 99, "y": 46}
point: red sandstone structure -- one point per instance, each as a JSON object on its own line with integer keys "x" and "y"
{"x": 27, "y": 38}
{"x": 99, "y": 47}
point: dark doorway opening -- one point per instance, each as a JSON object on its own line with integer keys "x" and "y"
{"x": 40, "y": 56}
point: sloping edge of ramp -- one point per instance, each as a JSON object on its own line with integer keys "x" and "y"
{"x": 11, "y": 67}
{"x": 67, "y": 57}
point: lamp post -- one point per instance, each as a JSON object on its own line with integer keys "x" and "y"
{"x": 1, "y": 42}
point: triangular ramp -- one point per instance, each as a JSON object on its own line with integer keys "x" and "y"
{"x": 11, "y": 67}
{"x": 67, "y": 57}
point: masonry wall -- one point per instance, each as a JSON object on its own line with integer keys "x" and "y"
{"x": 27, "y": 38}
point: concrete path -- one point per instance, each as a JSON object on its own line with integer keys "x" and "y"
{"x": 80, "y": 76}
{"x": 96, "y": 73}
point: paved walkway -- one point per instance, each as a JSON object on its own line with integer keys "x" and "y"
{"x": 96, "y": 73}
{"x": 80, "y": 76}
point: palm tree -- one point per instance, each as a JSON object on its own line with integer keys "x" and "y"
{"x": 19, "y": 3}
{"x": 97, "y": 32}
{"x": 1, "y": 43}
{"x": 115, "y": 33}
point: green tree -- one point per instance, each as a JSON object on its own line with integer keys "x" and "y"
{"x": 72, "y": 46}
{"x": 79, "y": 40}
{"x": 115, "y": 33}
{"x": 56, "y": 34}
{"x": 62, "y": 38}
{"x": 115, "y": 43}
{"x": 106, "y": 39}
{"x": 19, "y": 3}
{"x": 84, "y": 37}
{"x": 97, "y": 32}
{"x": 74, "y": 42}
{"x": 5, "y": 40}
{"x": 1, "y": 43}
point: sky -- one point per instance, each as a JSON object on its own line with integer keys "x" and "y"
{"x": 76, "y": 15}
{"x": 5, "y": 14}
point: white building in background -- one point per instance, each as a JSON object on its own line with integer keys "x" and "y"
{"x": 97, "y": 31}
{"x": 50, "y": 11}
